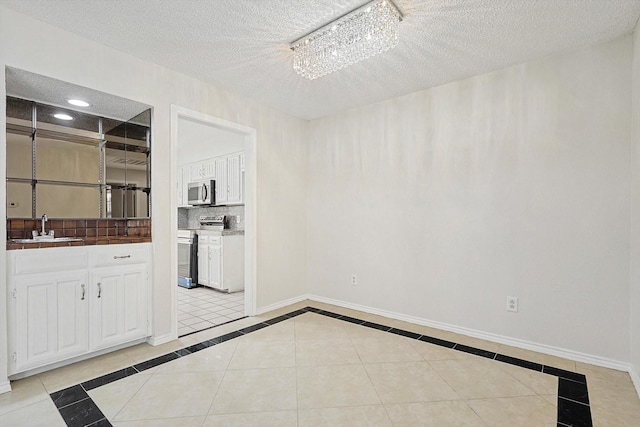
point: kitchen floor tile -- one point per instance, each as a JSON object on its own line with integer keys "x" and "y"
{"x": 199, "y": 312}
{"x": 183, "y": 330}
{"x": 207, "y": 305}
{"x": 190, "y": 320}
{"x": 203, "y": 324}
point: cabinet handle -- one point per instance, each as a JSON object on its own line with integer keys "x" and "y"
{"x": 121, "y": 257}
{"x": 82, "y": 299}
{"x": 99, "y": 289}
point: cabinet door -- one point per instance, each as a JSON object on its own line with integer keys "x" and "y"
{"x": 195, "y": 172}
{"x": 118, "y": 298}
{"x": 203, "y": 263}
{"x": 209, "y": 169}
{"x": 51, "y": 310}
{"x": 234, "y": 174}
{"x": 221, "y": 180}
{"x": 215, "y": 266}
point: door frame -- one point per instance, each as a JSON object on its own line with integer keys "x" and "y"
{"x": 250, "y": 190}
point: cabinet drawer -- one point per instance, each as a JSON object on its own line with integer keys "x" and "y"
{"x": 209, "y": 237}
{"x": 111, "y": 255}
{"x": 50, "y": 259}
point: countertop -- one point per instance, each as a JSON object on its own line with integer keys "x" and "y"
{"x": 233, "y": 232}
{"x": 84, "y": 242}
{"x": 225, "y": 232}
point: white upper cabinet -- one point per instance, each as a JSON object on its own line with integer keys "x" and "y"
{"x": 226, "y": 170}
{"x": 222, "y": 178}
{"x": 201, "y": 171}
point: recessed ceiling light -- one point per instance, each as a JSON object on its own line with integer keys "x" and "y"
{"x": 63, "y": 116}
{"x": 78, "y": 102}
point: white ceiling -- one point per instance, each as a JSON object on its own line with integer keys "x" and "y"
{"x": 34, "y": 87}
{"x": 243, "y": 45}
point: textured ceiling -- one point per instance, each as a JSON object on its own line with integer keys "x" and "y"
{"x": 243, "y": 45}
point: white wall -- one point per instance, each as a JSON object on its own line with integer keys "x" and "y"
{"x": 281, "y": 154}
{"x": 515, "y": 183}
{"x": 635, "y": 225}
{"x": 198, "y": 141}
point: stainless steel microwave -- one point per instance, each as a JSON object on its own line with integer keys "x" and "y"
{"x": 202, "y": 193}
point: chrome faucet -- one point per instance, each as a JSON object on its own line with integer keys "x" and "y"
{"x": 45, "y": 218}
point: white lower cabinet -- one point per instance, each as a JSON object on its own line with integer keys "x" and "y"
{"x": 51, "y": 314}
{"x": 118, "y": 305}
{"x": 221, "y": 261}
{"x": 89, "y": 299}
{"x": 209, "y": 260}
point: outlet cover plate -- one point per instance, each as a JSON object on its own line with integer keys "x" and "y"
{"x": 512, "y": 304}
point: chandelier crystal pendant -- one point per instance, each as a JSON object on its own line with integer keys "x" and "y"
{"x": 360, "y": 34}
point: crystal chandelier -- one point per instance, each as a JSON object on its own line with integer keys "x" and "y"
{"x": 360, "y": 34}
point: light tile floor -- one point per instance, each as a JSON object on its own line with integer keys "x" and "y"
{"x": 201, "y": 308}
{"x": 313, "y": 370}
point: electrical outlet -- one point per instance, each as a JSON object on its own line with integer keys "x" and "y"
{"x": 354, "y": 279}
{"x": 512, "y": 304}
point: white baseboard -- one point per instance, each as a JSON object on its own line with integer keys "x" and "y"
{"x": 154, "y": 341}
{"x": 280, "y": 304}
{"x": 635, "y": 378}
{"x": 514, "y": 342}
{"x": 5, "y": 387}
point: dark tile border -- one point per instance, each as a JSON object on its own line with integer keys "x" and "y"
{"x": 78, "y": 409}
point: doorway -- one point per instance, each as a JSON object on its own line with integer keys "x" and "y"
{"x": 244, "y": 303}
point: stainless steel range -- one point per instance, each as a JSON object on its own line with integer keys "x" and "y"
{"x": 187, "y": 258}
{"x": 213, "y": 223}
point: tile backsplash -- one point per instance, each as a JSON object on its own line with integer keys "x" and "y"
{"x": 88, "y": 229}
{"x": 188, "y": 217}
